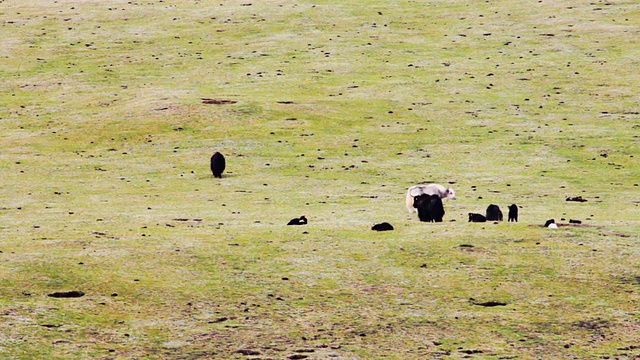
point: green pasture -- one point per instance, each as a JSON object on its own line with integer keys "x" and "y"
{"x": 331, "y": 110}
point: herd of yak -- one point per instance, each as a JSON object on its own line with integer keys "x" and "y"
{"x": 425, "y": 199}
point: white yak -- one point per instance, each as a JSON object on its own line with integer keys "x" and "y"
{"x": 431, "y": 189}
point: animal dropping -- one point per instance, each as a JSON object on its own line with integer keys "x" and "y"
{"x": 67, "y": 294}
{"x": 217, "y": 101}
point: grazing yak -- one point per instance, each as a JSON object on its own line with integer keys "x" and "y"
{"x": 429, "y": 207}
{"x": 513, "y": 212}
{"x": 431, "y": 189}
{"x": 494, "y": 213}
{"x": 551, "y": 223}
{"x": 217, "y": 164}
{"x": 473, "y": 217}
{"x": 385, "y": 226}
{"x": 302, "y": 220}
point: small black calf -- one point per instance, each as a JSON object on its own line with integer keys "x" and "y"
{"x": 302, "y": 220}
{"x": 385, "y": 226}
{"x": 513, "y": 212}
{"x": 473, "y": 217}
{"x": 576, "y": 198}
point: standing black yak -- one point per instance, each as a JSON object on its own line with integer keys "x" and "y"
{"x": 429, "y": 207}
{"x": 513, "y": 212}
{"x": 494, "y": 213}
{"x": 217, "y": 164}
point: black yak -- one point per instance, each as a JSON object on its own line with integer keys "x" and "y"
{"x": 217, "y": 164}
{"x": 429, "y": 207}
{"x": 302, "y": 220}
{"x": 385, "y": 226}
{"x": 513, "y": 212}
{"x": 473, "y": 217}
{"x": 494, "y": 213}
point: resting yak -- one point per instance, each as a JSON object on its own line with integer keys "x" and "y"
{"x": 385, "y": 226}
{"x": 475, "y": 217}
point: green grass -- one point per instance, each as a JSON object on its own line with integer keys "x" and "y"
{"x": 339, "y": 109}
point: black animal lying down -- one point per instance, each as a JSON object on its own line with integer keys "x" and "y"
{"x": 385, "y": 226}
{"x": 429, "y": 207}
{"x": 302, "y": 220}
{"x": 473, "y": 217}
{"x": 576, "y": 198}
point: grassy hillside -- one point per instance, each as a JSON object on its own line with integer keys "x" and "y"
{"x": 332, "y": 111}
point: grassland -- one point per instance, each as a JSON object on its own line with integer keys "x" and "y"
{"x": 338, "y": 109}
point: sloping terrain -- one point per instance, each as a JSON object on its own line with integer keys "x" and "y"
{"x": 109, "y": 114}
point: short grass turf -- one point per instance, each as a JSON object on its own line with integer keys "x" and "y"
{"x": 329, "y": 110}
